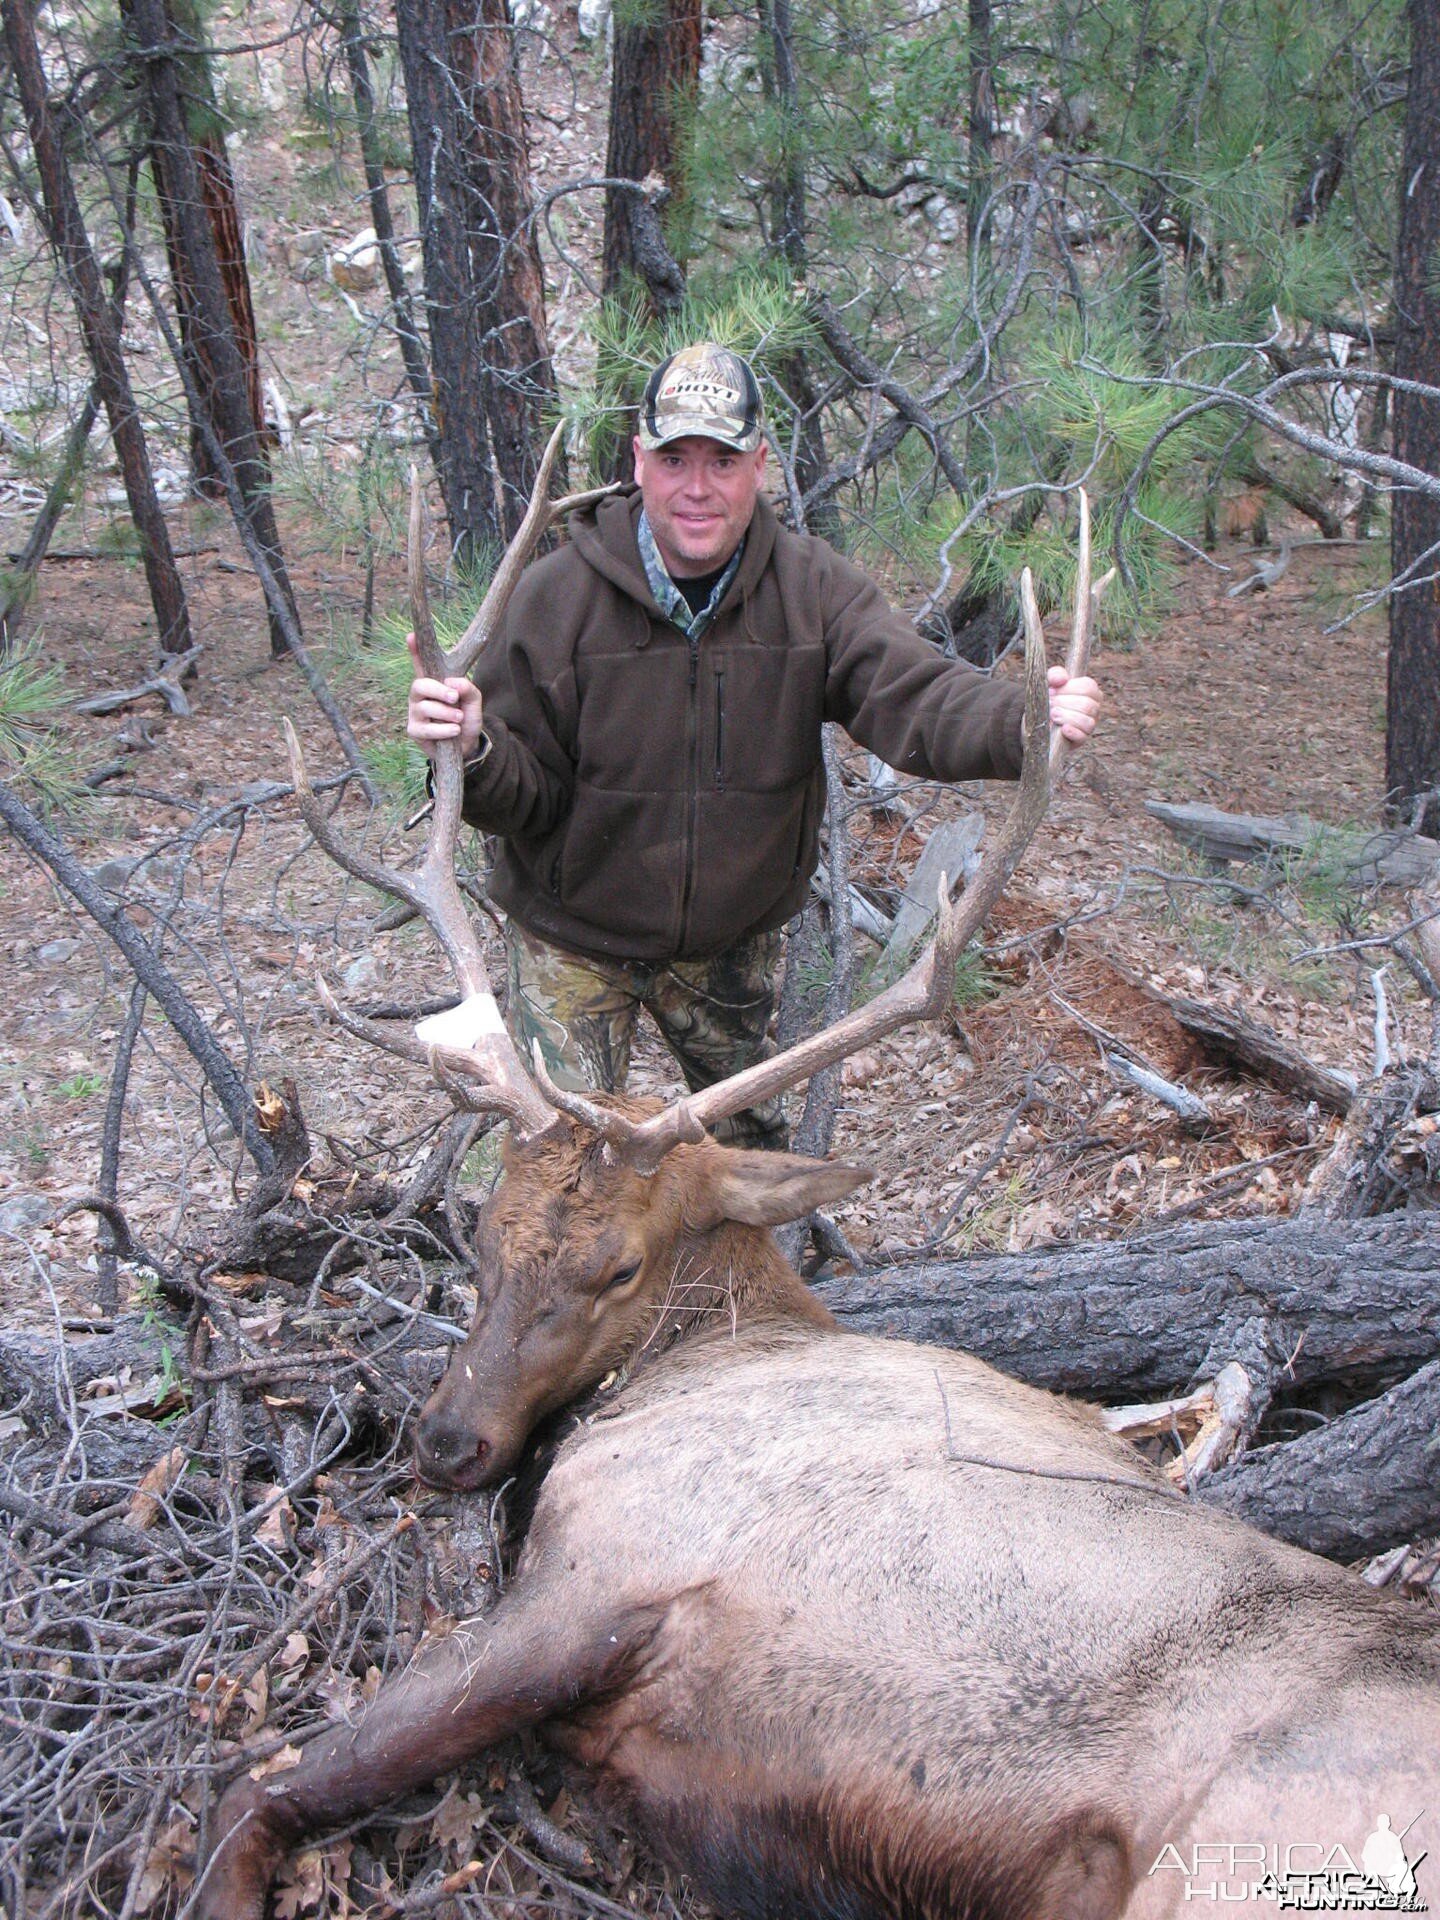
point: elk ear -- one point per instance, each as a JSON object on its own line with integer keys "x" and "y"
{"x": 766, "y": 1189}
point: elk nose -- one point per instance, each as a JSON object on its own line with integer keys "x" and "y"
{"x": 449, "y": 1456}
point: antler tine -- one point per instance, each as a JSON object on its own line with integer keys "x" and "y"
{"x": 432, "y": 657}
{"x": 1087, "y": 604}
{"x": 468, "y": 1041}
{"x": 921, "y": 993}
{"x": 612, "y": 1127}
{"x": 539, "y": 515}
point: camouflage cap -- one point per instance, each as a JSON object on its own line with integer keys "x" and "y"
{"x": 704, "y": 390}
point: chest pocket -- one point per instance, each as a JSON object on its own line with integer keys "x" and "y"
{"x": 767, "y": 706}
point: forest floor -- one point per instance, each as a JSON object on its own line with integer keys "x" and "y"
{"x": 1251, "y": 704}
{"x": 1246, "y": 704}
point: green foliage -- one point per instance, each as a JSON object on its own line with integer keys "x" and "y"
{"x": 356, "y": 509}
{"x": 81, "y": 1086}
{"x": 975, "y": 980}
{"x": 398, "y": 767}
{"x": 32, "y": 750}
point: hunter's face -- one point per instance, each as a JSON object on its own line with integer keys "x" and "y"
{"x": 699, "y": 498}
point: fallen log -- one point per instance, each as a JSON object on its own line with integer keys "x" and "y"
{"x": 1238, "y": 1040}
{"x": 1395, "y": 856}
{"x": 1354, "y": 1486}
{"x": 1319, "y": 1299}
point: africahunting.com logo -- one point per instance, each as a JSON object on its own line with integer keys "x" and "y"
{"x": 1304, "y": 1877}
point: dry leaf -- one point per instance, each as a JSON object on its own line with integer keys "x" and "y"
{"x": 301, "y": 1887}
{"x": 278, "y": 1527}
{"x": 257, "y": 1699}
{"x": 281, "y": 1762}
{"x": 169, "y": 1863}
{"x": 456, "y": 1822}
{"x": 145, "y": 1509}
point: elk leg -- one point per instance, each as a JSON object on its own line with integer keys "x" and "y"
{"x": 489, "y": 1678}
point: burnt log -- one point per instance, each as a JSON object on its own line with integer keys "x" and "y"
{"x": 1321, "y": 1300}
{"x": 1352, "y": 1487}
{"x": 1237, "y": 1040}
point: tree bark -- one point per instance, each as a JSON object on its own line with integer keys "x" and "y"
{"x": 654, "y": 80}
{"x": 218, "y": 367}
{"x": 65, "y": 230}
{"x": 217, "y": 187}
{"x": 1412, "y": 725}
{"x": 412, "y": 347}
{"x": 790, "y": 239}
{"x": 1321, "y": 1300}
{"x": 490, "y": 357}
{"x": 1355, "y": 1486}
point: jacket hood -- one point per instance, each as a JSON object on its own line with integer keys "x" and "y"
{"x": 604, "y": 537}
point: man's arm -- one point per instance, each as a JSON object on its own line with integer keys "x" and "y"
{"x": 923, "y": 714}
{"x": 519, "y": 774}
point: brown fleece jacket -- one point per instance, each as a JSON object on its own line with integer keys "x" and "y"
{"x": 660, "y": 797}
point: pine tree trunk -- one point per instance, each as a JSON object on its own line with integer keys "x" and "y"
{"x": 65, "y": 229}
{"x": 412, "y": 348}
{"x": 490, "y": 358}
{"x": 790, "y": 237}
{"x": 217, "y": 186}
{"x": 654, "y": 81}
{"x": 1412, "y": 730}
{"x": 218, "y": 367}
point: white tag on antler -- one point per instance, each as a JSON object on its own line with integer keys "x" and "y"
{"x": 461, "y": 1026}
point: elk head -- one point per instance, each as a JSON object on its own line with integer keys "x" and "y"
{"x": 617, "y": 1224}
{"x": 587, "y": 1266}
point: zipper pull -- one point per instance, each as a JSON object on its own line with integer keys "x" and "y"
{"x": 694, "y": 659}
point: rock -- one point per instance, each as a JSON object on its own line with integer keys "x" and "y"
{"x": 943, "y": 218}
{"x": 533, "y": 14}
{"x": 27, "y": 1210}
{"x": 363, "y": 973}
{"x": 593, "y": 17}
{"x": 356, "y": 265}
{"x": 271, "y": 70}
{"x": 113, "y": 875}
{"x": 55, "y": 951}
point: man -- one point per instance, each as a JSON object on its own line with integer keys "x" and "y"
{"x": 644, "y": 735}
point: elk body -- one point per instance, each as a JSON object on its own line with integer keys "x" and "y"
{"x": 846, "y": 1628}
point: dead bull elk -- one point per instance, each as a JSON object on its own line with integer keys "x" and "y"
{"x": 845, "y": 1627}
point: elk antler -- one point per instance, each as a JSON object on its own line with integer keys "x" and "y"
{"x": 468, "y": 1043}
{"x": 927, "y": 988}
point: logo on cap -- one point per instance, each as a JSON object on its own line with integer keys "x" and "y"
{"x": 703, "y": 390}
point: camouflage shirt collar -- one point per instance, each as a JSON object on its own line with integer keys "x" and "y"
{"x": 668, "y": 597}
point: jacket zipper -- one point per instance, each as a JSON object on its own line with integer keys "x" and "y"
{"x": 720, "y": 728}
{"x": 692, "y": 806}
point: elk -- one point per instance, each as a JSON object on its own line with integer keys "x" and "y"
{"x": 844, "y": 1627}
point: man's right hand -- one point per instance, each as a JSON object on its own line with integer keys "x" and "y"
{"x": 442, "y": 710}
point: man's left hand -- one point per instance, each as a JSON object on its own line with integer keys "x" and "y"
{"x": 1074, "y": 704}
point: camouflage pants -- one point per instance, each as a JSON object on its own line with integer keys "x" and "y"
{"x": 712, "y": 1014}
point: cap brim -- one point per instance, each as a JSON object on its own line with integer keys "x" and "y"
{"x": 700, "y": 426}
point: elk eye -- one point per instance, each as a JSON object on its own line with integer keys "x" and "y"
{"x": 620, "y": 1276}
